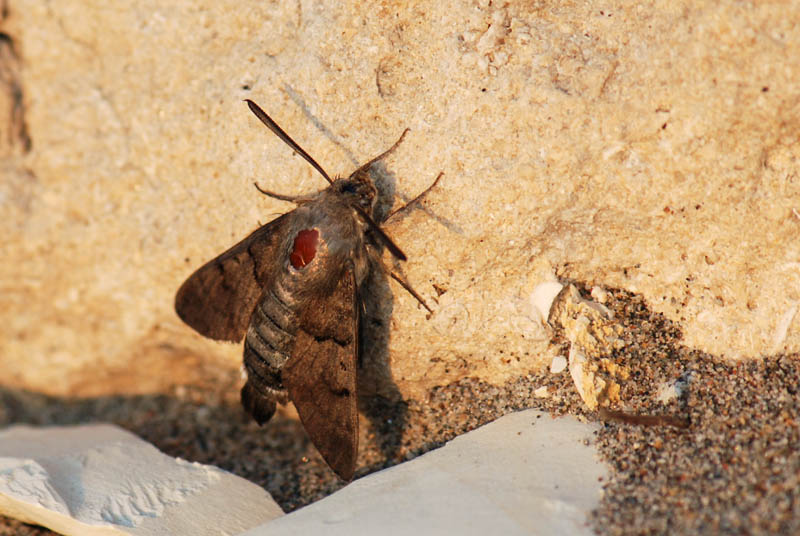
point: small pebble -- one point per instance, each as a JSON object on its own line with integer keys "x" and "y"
{"x": 558, "y": 364}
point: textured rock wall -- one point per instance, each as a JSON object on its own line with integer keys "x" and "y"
{"x": 650, "y": 147}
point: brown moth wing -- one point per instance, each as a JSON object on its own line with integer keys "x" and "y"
{"x": 218, "y": 299}
{"x": 321, "y": 375}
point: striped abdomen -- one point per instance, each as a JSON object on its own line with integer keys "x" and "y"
{"x": 267, "y": 347}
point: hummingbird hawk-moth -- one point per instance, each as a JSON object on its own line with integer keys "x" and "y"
{"x": 293, "y": 290}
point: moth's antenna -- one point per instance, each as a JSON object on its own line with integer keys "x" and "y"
{"x": 278, "y": 131}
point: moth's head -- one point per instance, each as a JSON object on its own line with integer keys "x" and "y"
{"x": 357, "y": 189}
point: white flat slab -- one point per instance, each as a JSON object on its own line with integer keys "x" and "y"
{"x": 523, "y": 474}
{"x": 100, "y": 479}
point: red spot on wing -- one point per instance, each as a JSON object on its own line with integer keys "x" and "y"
{"x": 305, "y": 247}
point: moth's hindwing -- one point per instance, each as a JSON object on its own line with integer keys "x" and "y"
{"x": 218, "y": 299}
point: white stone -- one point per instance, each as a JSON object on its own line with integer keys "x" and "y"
{"x": 669, "y": 391}
{"x": 558, "y": 364}
{"x": 525, "y": 473}
{"x": 542, "y": 298}
{"x": 781, "y": 330}
{"x": 582, "y": 376}
{"x": 100, "y": 479}
{"x": 599, "y": 294}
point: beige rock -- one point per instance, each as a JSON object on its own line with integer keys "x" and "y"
{"x": 650, "y": 147}
{"x": 593, "y": 336}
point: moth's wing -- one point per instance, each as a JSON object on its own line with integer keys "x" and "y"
{"x": 321, "y": 375}
{"x": 218, "y": 299}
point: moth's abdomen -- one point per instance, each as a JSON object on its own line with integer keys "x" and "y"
{"x": 267, "y": 347}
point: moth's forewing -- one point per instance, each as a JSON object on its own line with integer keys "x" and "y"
{"x": 218, "y": 299}
{"x": 321, "y": 375}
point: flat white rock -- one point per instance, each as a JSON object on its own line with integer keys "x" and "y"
{"x": 525, "y": 473}
{"x": 100, "y": 479}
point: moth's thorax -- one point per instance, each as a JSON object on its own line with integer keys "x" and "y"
{"x": 326, "y": 238}
{"x": 357, "y": 189}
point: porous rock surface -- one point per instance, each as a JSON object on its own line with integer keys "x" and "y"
{"x": 652, "y": 148}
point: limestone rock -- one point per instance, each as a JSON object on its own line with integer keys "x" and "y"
{"x": 647, "y": 147}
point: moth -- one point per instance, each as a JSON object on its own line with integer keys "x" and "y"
{"x": 293, "y": 291}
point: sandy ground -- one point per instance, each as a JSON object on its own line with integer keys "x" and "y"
{"x": 736, "y": 469}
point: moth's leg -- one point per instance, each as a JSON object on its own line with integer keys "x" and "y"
{"x": 383, "y": 237}
{"x": 406, "y": 285}
{"x": 383, "y": 155}
{"x": 377, "y": 261}
{"x": 297, "y": 199}
{"x": 416, "y": 199}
